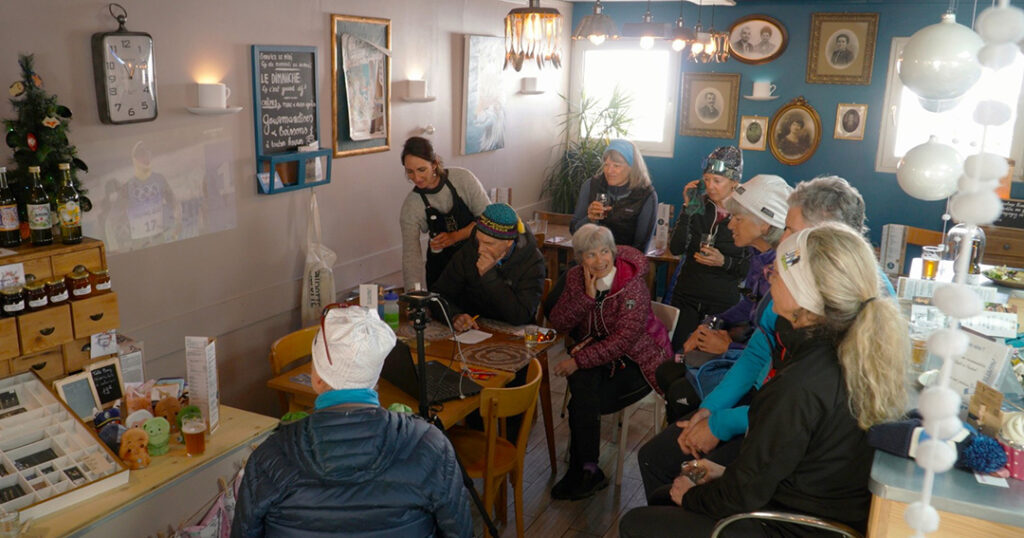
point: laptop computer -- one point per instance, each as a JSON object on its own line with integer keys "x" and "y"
{"x": 443, "y": 383}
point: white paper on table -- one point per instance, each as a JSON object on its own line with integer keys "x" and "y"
{"x": 104, "y": 343}
{"x": 988, "y": 480}
{"x": 471, "y": 336}
{"x": 984, "y": 361}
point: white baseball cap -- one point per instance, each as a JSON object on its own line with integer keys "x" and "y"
{"x": 765, "y": 195}
{"x": 352, "y": 353}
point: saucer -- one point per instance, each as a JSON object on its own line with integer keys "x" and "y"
{"x": 761, "y": 98}
{"x": 204, "y": 111}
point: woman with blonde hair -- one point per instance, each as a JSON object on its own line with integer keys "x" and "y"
{"x": 838, "y": 371}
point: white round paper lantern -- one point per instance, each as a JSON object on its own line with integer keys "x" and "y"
{"x": 990, "y": 112}
{"x": 929, "y": 171}
{"x": 941, "y": 61}
{"x": 986, "y": 166}
{"x": 1001, "y": 24}
{"x": 997, "y": 55}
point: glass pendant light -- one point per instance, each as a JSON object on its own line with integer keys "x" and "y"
{"x": 533, "y": 33}
{"x": 648, "y": 31}
{"x": 596, "y": 27}
{"x": 681, "y": 35}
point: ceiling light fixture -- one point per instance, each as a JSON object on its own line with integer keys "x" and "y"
{"x": 648, "y": 31}
{"x": 681, "y": 35}
{"x": 533, "y": 33}
{"x": 596, "y": 27}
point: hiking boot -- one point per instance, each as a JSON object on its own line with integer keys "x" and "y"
{"x": 563, "y": 488}
{"x": 589, "y": 484}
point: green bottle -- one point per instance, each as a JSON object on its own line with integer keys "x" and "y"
{"x": 38, "y": 210}
{"x": 10, "y": 233}
{"x": 69, "y": 212}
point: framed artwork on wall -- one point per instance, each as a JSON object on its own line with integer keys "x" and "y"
{"x": 753, "y": 131}
{"x": 850, "y": 120}
{"x": 842, "y": 48}
{"x": 795, "y": 132}
{"x": 709, "y": 104}
{"x": 757, "y": 39}
{"x": 360, "y": 85}
{"x": 483, "y": 103}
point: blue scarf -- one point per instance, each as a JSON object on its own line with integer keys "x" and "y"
{"x": 332, "y": 398}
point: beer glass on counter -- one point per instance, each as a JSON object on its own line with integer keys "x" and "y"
{"x": 194, "y": 431}
{"x": 930, "y": 257}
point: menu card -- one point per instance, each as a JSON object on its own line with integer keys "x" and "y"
{"x": 201, "y": 369}
{"x": 984, "y": 361}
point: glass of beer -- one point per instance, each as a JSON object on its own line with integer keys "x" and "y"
{"x": 194, "y": 430}
{"x": 531, "y": 334}
{"x": 930, "y": 257}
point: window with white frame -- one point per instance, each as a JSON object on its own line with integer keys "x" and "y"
{"x": 648, "y": 77}
{"x": 906, "y": 124}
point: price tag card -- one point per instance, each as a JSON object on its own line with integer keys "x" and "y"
{"x": 102, "y": 344}
{"x": 12, "y": 275}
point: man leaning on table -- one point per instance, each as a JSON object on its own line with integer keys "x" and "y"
{"x": 353, "y": 466}
{"x": 497, "y": 274}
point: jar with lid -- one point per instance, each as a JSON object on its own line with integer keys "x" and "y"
{"x": 12, "y": 301}
{"x": 35, "y": 296}
{"x": 961, "y": 234}
{"x": 56, "y": 291}
{"x": 100, "y": 281}
{"x": 79, "y": 285}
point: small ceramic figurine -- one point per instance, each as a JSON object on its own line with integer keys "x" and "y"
{"x": 159, "y": 431}
{"x": 168, "y": 408}
{"x": 134, "y": 449}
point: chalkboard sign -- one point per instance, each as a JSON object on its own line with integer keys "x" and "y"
{"x": 79, "y": 393}
{"x": 284, "y": 91}
{"x": 1013, "y": 214}
{"x": 106, "y": 376}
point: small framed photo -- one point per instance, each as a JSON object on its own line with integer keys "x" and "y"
{"x": 709, "y": 104}
{"x": 842, "y": 48}
{"x": 850, "y": 120}
{"x": 795, "y": 132}
{"x": 757, "y": 39}
{"x": 753, "y": 133}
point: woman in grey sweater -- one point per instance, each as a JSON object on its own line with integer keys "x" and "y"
{"x": 444, "y": 204}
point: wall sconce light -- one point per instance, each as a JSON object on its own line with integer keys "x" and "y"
{"x": 528, "y": 86}
{"x": 647, "y": 30}
{"x": 596, "y": 27}
{"x": 416, "y": 92}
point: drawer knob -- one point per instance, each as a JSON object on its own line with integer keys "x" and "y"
{"x": 38, "y": 366}
{"x": 47, "y": 331}
{"x": 96, "y": 317}
{"x": 87, "y": 347}
{"x": 1006, "y": 246}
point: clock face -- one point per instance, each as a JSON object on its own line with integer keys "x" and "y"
{"x": 129, "y": 78}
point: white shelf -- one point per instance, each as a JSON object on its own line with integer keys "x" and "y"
{"x": 531, "y": 92}
{"x": 757, "y": 98}
{"x": 419, "y": 99}
{"x": 201, "y": 111}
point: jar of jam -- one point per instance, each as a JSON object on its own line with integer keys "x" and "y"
{"x": 12, "y": 301}
{"x": 56, "y": 291}
{"x": 78, "y": 284}
{"x": 100, "y": 281}
{"x": 35, "y": 295}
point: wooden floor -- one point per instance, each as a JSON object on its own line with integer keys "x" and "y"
{"x": 597, "y": 516}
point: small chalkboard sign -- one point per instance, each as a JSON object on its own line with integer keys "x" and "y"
{"x": 1013, "y": 214}
{"x": 284, "y": 84}
{"x": 79, "y": 393}
{"x": 106, "y": 376}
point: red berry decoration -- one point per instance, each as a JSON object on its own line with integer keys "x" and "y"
{"x": 31, "y": 140}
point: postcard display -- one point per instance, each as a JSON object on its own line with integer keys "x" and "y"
{"x": 48, "y": 458}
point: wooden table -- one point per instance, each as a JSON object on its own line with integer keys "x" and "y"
{"x": 173, "y": 490}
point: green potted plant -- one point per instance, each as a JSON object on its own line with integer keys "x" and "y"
{"x": 594, "y": 124}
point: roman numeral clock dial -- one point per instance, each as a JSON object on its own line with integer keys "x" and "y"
{"x": 125, "y": 73}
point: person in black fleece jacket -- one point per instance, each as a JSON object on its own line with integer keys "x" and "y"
{"x": 838, "y": 371}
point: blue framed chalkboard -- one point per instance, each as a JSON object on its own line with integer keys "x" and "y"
{"x": 286, "y": 113}
{"x": 360, "y": 61}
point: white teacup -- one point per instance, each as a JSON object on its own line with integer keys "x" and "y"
{"x": 763, "y": 89}
{"x": 213, "y": 95}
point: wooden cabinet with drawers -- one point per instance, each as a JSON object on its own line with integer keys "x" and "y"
{"x": 54, "y": 341}
{"x": 1003, "y": 246}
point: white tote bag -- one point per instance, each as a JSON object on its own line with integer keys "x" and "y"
{"x": 318, "y": 278}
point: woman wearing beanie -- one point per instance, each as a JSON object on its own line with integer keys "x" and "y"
{"x": 712, "y": 266}
{"x": 443, "y": 203}
{"x": 839, "y": 370}
{"x": 620, "y": 197}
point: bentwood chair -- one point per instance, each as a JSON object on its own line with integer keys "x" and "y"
{"x": 285, "y": 352}
{"x": 488, "y": 455}
{"x": 796, "y": 519}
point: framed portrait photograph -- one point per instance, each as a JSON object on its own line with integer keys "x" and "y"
{"x": 709, "y": 104}
{"x": 842, "y": 48}
{"x": 753, "y": 131}
{"x": 850, "y": 120}
{"x": 757, "y": 39}
{"x": 794, "y": 132}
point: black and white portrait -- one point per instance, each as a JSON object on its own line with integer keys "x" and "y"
{"x": 850, "y": 120}
{"x": 752, "y": 133}
{"x": 757, "y": 39}
{"x": 842, "y": 49}
{"x": 794, "y": 132}
{"x": 709, "y": 105}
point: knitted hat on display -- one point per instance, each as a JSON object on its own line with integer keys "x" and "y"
{"x": 765, "y": 196}
{"x": 357, "y": 341}
{"x": 499, "y": 221}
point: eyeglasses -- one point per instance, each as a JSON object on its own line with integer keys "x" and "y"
{"x": 323, "y": 327}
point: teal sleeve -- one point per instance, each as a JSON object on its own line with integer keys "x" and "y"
{"x": 729, "y": 423}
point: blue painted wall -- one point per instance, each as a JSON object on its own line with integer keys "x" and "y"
{"x": 854, "y": 160}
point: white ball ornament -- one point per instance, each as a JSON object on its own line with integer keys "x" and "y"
{"x": 937, "y": 403}
{"x": 934, "y": 455}
{"x": 929, "y": 171}
{"x": 991, "y": 112}
{"x": 922, "y": 517}
{"x": 1001, "y": 24}
{"x": 986, "y": 166}
{"x": 971, "y": 184}
{"x": 957, "y": 300}
{"x": 980, "y": 207}
{"x": 996, "y": 56}
{"x": 944, "y": 428}
{"x": 941, "y": 60}
{"x": 947, "y": 342}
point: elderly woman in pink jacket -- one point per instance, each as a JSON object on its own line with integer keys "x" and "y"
{"x": 606, "y": 308}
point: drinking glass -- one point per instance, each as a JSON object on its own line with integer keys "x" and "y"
{"x": 930, "y": 257}
{"x": 194, "y": 430}
{"x": 604, "y": 200}
{"x": 707, "y": 240}
{"x": 531, "y": 334}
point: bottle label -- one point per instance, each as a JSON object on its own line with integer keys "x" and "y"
{"x": 38, "y": 303}
{"x": 39, "y": 216}
{"x": 84, "y": 290}
{"x": 63, "y": 296}
{"x": 8, "y": 218}
{"x": 70, "y": 214}
{"x": 14, "y": 307}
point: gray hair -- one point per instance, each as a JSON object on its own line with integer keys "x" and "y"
{"x": 829, "y": 198}
{"x": 592, "y": 237}
{"x": 774, "y": 233}
{"x": 638, "y": 174}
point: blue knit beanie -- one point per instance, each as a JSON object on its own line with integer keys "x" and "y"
{"x": 499, "y": 221}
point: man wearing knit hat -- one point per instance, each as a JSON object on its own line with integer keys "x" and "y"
{"x": 352, "y": 465}
{"x": 497, "y": 274}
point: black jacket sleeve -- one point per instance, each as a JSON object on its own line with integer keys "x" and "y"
{"x": 680, "y": 234}
{"x": 454, "y": 281}
{"x": 515, "y": 293}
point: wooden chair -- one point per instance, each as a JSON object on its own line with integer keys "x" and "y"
{"x": 285, "y": 352}
{"x": 895, "y": 238}
{"x": 796, "y": 519}
{"x": 559, "y": 219}
{"x": 545, "y": 383}
{"x": 490, "y": 456}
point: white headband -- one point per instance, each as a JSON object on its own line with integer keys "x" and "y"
{"x": 795, "y": 269}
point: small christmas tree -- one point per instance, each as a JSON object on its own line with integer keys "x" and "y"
{"x": 38, "y": 135}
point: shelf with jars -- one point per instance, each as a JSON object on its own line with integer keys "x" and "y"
{"x": 47, "y": 323}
